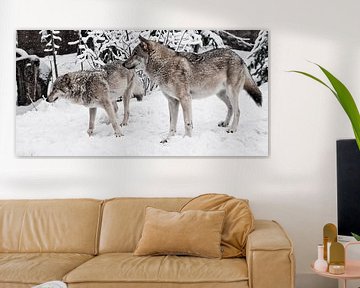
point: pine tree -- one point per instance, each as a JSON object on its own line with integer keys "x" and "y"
{"x": 52, "y": 40}
{"x": 260, "y": 58}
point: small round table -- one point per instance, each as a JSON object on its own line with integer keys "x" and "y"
{"x": 352, "y": 272}
{"x": 352, "y": 269}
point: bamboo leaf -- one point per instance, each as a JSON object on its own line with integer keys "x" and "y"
{"x": 344, "y": 97}
{"x": 347, "y": 102}
{"x": 314, "y": 78}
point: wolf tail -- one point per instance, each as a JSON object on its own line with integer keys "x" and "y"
{"x": 251, "y": 87}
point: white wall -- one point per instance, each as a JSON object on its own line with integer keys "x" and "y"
{"x": 295, "y": 185}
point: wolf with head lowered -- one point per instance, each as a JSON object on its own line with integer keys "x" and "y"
{"x": 100, "y": 88}
{"x": 183, "y": 76}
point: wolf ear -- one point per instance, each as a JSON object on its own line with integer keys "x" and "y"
{"x": 144, "y": 43}
{"x": 66, "y": 79}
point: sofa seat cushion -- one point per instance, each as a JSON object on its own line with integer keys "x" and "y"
{"x": 36, "y": 268}
{"x": 127, "y": 268}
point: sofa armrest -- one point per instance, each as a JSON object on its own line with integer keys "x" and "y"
{"x": 269, "y": 255}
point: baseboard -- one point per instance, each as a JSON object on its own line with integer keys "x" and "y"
{"x": 310, "y": 280}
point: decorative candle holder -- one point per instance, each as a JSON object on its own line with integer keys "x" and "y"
{"x": 329, "y": 236}
{"x": 337, "y": 259}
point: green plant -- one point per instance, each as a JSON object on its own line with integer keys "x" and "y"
{"x": 356, "y": 236}
{"x": 344, "y": 97}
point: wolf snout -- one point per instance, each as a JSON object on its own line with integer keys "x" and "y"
{"x": 51, "y": 99}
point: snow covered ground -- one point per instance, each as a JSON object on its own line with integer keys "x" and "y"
{"x": 59, "y": 129}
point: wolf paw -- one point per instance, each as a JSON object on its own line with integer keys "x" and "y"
{"x": 223, "y": 124}
{"x": 164, "y": 141}
{"x": 231, "y": 130}
{"x": 118, "y": 134}
{"x": 90, "y": 132}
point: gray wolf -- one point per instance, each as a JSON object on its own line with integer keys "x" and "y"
{"x": 183, "y": 76}
{"x": 100, "y": 88}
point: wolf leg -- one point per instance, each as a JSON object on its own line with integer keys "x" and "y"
{"x": 106, "y": 120}
{"x": 187, "y": 111}
{"x": 92, "y": 115}
{"x": 224, "y": 97}
{"x": 173, "y": 113}
{"x": 126, "y": 99}
{"x": 109, "y": 108}
{"x": 116, "y": 107}
{"x": 234, "y": 98}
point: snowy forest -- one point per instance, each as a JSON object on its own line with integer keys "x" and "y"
{"x": 44, "y": 55}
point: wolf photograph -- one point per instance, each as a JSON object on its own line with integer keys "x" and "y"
{"x": 183, "y": 93}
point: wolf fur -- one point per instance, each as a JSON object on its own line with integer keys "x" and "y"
{"x": 100, "y": 88}
{"x": 139, "y": 90}
{"x": 184, "y": 76}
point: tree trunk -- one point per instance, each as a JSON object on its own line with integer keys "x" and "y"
{"x": 54, "y": 53}
{"x": 78, "y": 50}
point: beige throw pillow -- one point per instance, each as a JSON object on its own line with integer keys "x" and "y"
{"x": 238, "y": 223}
{"x": 194, "y": 232}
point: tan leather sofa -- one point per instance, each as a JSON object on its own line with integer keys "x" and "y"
{"x": 89, "y": 243}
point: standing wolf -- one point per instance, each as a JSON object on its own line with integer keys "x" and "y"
{"x": 99, "y": 89}
{"x": 184, "y": 76}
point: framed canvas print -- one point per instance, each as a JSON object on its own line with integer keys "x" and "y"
{"x": 142, "y": 93}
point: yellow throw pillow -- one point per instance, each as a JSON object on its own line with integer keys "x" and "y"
{"x": 238, "y": 224}
{"x": 193, "y": 232}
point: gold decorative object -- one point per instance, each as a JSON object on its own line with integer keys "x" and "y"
{"x": 330, "y": 236}
{"x": 336, "y": 269}
{"x": 337, "y": 258}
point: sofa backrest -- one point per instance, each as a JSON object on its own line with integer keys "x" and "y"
{"x": 66, "y": 226}
{"x": 123, "y": 220}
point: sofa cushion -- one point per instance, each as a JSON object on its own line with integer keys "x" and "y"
{"x": 36, "y": 268}
{"x": 127, "y": 268}
{"x": 193, "y": 232}
{"x": 123, "y": 220}
{"x": 63, "y": 226}
{"x": 238, "y": 223}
